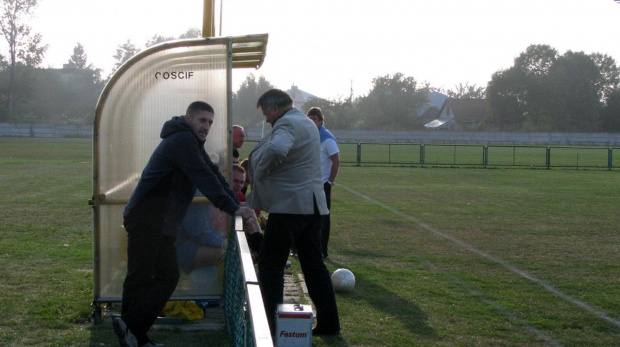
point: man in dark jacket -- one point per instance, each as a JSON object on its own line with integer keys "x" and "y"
{"x": 155, "y": 213}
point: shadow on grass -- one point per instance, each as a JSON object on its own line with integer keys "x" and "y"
{"x": 387, "y": 301}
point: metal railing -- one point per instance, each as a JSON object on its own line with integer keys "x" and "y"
{"x": 479, "y": 155}
{"x": 246, "y": 319}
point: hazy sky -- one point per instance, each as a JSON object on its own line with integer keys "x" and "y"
{"x": 327, "y": 46}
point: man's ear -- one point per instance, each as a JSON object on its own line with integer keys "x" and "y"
{"x": 187, "y": 118}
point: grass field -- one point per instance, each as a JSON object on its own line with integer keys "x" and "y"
{"x": 442, "y": 256}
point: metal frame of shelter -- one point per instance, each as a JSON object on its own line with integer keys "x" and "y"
{"x": 147, "y": 90}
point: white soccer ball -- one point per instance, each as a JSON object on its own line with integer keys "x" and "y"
{"x": 343, "y": 280}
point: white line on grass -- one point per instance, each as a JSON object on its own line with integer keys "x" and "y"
{"x": 504, "y": 264}
{"x": 497, "y": 306}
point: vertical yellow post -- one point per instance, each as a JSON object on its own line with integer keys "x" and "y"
{"x": 208, "y": 22}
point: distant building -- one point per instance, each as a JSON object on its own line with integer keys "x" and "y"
{"x": 71, "y": 75}
{"x": 460, "y": 115}
{"x": 431, "y": 110}
{"x": 299, "y": 97}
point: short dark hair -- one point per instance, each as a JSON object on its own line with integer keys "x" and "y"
{"x": 274, "y": 97}
{"x": 315, "y": 111}
{"x": 198, "y": 106}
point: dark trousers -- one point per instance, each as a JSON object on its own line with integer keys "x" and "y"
{"x": 326, "y": 219}
{"x": 303, "y": 231}
{"x": 152, "y": 276}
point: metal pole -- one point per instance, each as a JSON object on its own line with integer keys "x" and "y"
{"x": 422, "y": 154}
{"x": 454, "y": 156}
{"x": 208, "y": 23}
{"x": 221, "y": 12}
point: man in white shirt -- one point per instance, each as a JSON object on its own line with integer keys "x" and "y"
{"x": 330, "y": 163}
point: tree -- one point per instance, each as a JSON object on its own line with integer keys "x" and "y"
{"x": 339, "y": 113}
{"x": 33, "y": 52}
{"x": 610, "y": 74}
{"x": 545, "y": 91}
{"x": 244, "y": 110}
{"x": 573, "y": 86}
{"x": 610, "y": 115}
{"x": 23, "y": 46}
{"x": 536, "y": 61}
{"x": 191, "y": 33}
{"x": 123, "y": 53}
{"x": 534, "y": 65}
{"x": 157, "y": 39}
{"x": 466, "y": 92}
{"x": 59, "y": 96}
{"x": 128, "y": 49}
{"x": 392, "y": 104}
{"x": 505, "y": 95}
{"x": 79, "y": 58}
{"x": 82, "y": 91}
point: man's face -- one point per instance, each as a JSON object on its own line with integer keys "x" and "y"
{"x": 238, "y": 136}
{"x": 237, "y": 181}
{"x": 270, "y": 112}
{"x": 316, "y": 120}
{"x": 200, "y": 124}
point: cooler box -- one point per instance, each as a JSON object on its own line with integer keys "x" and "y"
{"x": 294, "y": 325}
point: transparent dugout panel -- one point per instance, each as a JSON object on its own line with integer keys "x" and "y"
{"x": 148, "y": 90}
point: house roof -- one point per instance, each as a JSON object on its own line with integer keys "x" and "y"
{"x": 435, "y": 100}
{"x": 462, "y": 111}
{"x": 438, "y": 122}
{"x": 467, "y": 110}
{"x": 299, "y": 96}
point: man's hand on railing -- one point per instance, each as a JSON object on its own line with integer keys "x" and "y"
{"x": 249, "y": 219}
{"x": 245, "y": 212}
{"x": 251, "y": 225}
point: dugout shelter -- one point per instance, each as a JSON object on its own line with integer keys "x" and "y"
{"x": 149, "y": 89}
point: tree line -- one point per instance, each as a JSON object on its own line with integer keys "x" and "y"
{"x": 542, "y": 91}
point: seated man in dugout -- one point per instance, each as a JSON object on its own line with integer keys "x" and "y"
{"x": 202, "y": 242}
{"x": 252, "y": 227}
{"x": 203, "y": 239}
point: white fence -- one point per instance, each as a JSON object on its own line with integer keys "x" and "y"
{"x": 466, "y": 137}
{"x": 44, "y": 130}
{"x": 362, "y": 136}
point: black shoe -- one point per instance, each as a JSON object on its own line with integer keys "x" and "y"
{"x": 321, "y": 332}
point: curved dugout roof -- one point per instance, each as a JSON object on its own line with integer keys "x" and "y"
{"x": 149, "y": 89}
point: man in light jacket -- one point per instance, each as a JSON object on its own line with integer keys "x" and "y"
{"x": 286, "y": 170}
